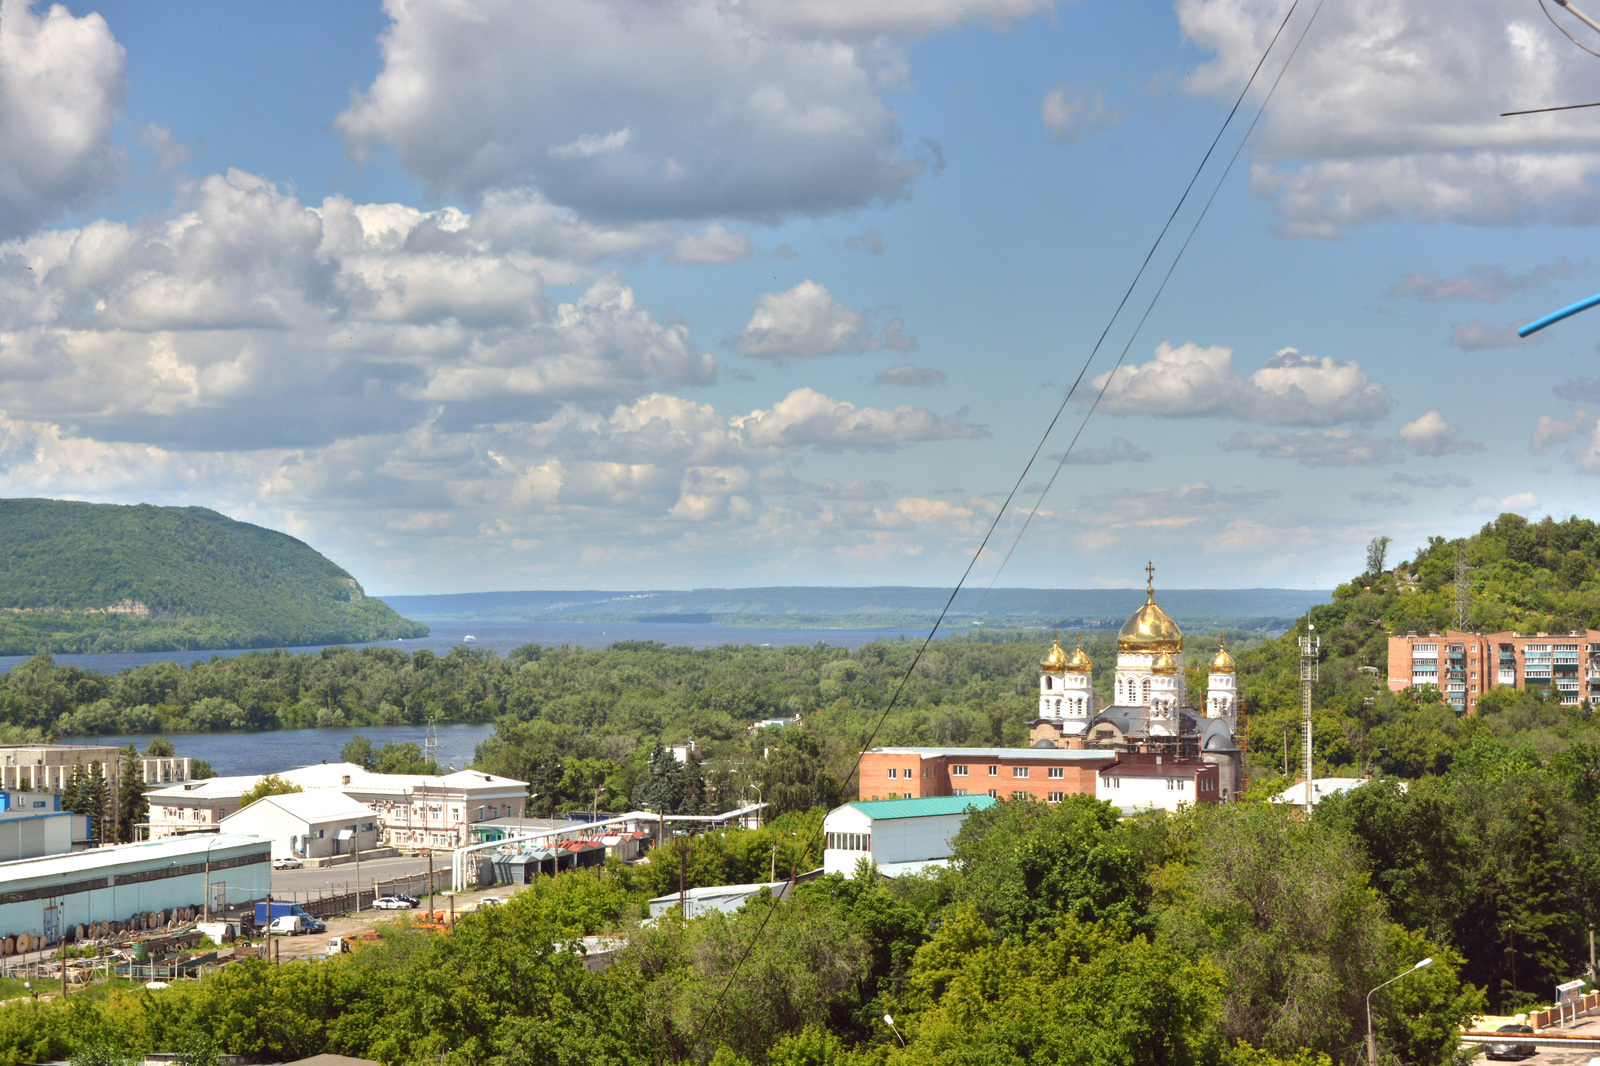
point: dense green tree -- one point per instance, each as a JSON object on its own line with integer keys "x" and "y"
{"x": 98, "y": 800}
{"x": 160, "y": 748}
{"x": 796, "y": 775}
{"x": 270, "y": 785}
{"x": 132, "y": 808}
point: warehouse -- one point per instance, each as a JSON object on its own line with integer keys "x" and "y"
{"x": 39, "y": 897}
{"x": 902, "y": 836}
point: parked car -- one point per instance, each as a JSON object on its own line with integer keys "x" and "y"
{"x": 287, "y": 864}
{"x": 287, "y": 925}
{"x": 392, "y": 903}
{"x": 413, "y": 900}
{"x": 1512, "y": 1051}
{"x": 314, "y": 925}
{"x": 489, "y": 901}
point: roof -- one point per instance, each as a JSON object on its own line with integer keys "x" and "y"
{"x": 532, "y": 825}
{"x": 721, "y": 891}
{"x": 927, "y": 807}
{"x": 1055, "y": 754}
{"x": 1321, "y": 787}
{"x": 1171, "y": 769}
{"x": 209, "y": 788}
{"x": 166, "y": 849}
{"x": 318, "y": 805}
{"x": 333, "y": 774}
{"x": 331, "y": 1060}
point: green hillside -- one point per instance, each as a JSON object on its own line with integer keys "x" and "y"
{"x": 83, "y": 577}
{"x": 1534, "y": 577}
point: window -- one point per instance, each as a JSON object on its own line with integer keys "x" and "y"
{"x": 1019, "y": 771}
{"x": 906, "y": 773}
{"x": 958, "y": 791}
{"x": 1019, "y": 795}
{"x": 1047, "y": 684}
{"x": 1177, "y": 784}
{"x": 994, "y": 793}
{"x": 893, "y": 773}
{"x": 1057, "y": 797}
{"x": 1113, "y": 782}
{"x": 958, "y": 771}
{"x": 994, "y": 771}
{"x": 1058, "y": 771}
{"x": 905, "y": 795}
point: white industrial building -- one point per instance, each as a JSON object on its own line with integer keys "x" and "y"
{"x": 43, "y": 896}
{"x": 413, "y": 810}
{"x": 704, "y": 900}
{"x": 900, "y": 836}
{"x": 308, "y": 825}
{"x": 32, "y": 834}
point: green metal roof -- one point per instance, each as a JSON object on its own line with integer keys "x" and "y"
{"x": 921, "y": 808}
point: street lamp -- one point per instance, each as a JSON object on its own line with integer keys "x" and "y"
{"x": 205, "y": 906}
{"x": 1372, "y": 1047}
{"x": 887, "y": 1020}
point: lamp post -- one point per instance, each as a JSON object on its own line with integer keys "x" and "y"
{"x": 1372, "y": 1047}
{"x": 889, "y": 1021}
{"x": 758, "y": 805}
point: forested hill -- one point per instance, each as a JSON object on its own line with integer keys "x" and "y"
{"x": 84, "y": 577}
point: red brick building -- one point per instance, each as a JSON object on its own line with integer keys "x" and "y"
{"x": 1044, "y": 774}
{"x": 1466, "y": 665}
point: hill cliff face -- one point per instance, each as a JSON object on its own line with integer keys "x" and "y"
{"x": 83, "y": 577}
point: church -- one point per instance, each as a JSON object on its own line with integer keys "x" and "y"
{"x": 1150, "y": 713}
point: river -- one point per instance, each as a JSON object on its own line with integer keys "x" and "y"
{"x": 504, "y": 637}
{"x": 262, "y": 753}
{"x": 232, "y": 754}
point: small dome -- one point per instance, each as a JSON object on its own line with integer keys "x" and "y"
{"x": 1222, "y": 662}
{"x": 1164, "y": 664}
{"x": 1055, "y": 661}
{"x": 1150, "y": 629}
{"x": 1079, "y": 663}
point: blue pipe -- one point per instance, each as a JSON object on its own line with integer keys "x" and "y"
{"x": 1556, "y": 316}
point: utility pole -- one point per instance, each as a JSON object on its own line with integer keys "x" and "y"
{"x": 683, "y": 882}
{"x": 1310, "y": 650}
{"x": 1463, "y": 592}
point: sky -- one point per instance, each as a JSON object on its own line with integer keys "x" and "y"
{"x": 475, "y": 295}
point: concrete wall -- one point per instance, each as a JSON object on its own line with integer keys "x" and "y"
{"x": 28, "y": 836}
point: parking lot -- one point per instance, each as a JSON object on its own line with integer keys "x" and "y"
{"x": 286, "y": 884}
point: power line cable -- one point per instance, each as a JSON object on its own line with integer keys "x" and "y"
{"x": 1034, "y": 510}
{"x": 1000, "y": 514}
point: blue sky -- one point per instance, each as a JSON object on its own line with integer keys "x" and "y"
{"x": 620, "y": 294}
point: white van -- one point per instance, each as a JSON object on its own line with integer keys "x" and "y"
{"x": 287, "y": 925}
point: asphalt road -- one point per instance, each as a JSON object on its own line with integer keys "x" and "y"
{"x": 285, "y": 883}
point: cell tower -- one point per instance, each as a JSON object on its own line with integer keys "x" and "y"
{"x": 430, "y": 741}
{"x": 1310, "y": 649}
{"x": 1463, "y": 592}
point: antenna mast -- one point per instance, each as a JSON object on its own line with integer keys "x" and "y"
{"x": 1463, "y": 591}
{"x": 1310, "y": 649}
{"x": 430, "y": 741}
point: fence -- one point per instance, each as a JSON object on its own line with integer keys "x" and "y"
{"x": 326, "y": 904}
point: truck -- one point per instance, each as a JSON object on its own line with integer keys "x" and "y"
{"x": 281, "y": 909}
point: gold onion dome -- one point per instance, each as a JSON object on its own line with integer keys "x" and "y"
{"x": 1055, "y": 660}
{"x": 1079, "y": 663}
{"x": 1150, "y": 629}
{"x": 1164, "y": 664}
{"x": 1222, "y": 662}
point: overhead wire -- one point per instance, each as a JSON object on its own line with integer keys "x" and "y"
{"x": 1564, "y": 32}
{"x": 1049, "y": 429}
{"x": 1106, "y": 385}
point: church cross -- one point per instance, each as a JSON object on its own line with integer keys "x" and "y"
{"x": 1150, "y": 578}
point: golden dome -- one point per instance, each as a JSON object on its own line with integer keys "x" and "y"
{"x": 1164, "y": 664}
{"x": 1150, "y": 629}
{"x": 1079, "y": 663}
{"x": 1055, "y": 660}
{"x": 1222, "y": 662}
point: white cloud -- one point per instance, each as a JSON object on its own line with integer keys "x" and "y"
{"x": 1391, "y": 111}
{"x": 640, "y": 109}
{"x": 807, "y": 417}
{"x": 1392, "y": 498}
{"x": 169, "y": 151}
{"x": 1474, "y": 336}
{"x": 906, "y": 374}
{"x": 850, "y": 17}
{"x": 1289, "y": 389}
{"x": 1069, "y": 113}
{"x": 590, "y": 145}
{"x": 1523, "y": 503}
{"x": 62, "y": 81}
{"x": 714, "y": 244}
{"x": 1482, "y": 284}
{"x": 806, "y": 322}
{"x": 1432, "y": 435}
{"x": 1582, "y": 429}
{"x": 1120, "y": 450}
{"x": 1315, "y": 447}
